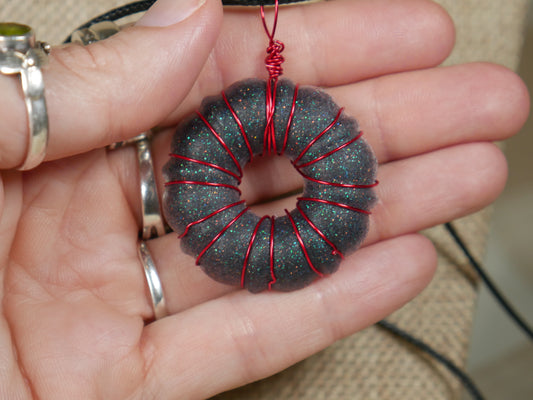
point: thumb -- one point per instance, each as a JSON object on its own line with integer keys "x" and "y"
{"x": 117, "y": 88}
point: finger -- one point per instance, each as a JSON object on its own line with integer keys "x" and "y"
{"x": 142, "y": 74}
{"x": 413, "y": 113}
{"x": 369, "y": 38}
{"x": 241, "y": 338}
{"x": 401, "y": 115}
{"x": 416, "y": 112}
{"x": 430, "y": 189}
{"x": 466, "y": 179}
{"x": 118, "y": 87}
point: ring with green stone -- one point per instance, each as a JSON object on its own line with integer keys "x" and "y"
{"x": 21, "y": 54}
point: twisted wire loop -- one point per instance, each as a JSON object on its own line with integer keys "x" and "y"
{"x": 273, "y": 63}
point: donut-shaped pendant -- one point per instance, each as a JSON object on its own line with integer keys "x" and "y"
{"x": 202, "y": 201}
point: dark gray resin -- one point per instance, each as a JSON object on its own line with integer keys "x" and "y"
{"x": 187, "y": 203}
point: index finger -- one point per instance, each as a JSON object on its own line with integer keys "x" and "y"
{"x": 118, "y": 88}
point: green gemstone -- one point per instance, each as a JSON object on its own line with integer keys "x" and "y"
{"x": 13, "y": 29}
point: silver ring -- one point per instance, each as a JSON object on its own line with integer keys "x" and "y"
{"x": 21, "y": 54}
{"x": 154, "y": 283}
{"x": 153, "y": 225}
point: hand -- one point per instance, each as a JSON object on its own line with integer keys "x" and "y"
{"x": 74, "y": 294}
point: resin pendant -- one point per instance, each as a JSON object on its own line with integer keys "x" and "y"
{"x": 202, "y": 200}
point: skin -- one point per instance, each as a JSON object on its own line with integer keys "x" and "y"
{"x": 75, "y": 304}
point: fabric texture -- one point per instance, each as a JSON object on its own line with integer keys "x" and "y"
{"x": 371, "y": 364}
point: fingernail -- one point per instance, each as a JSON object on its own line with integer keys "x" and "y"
{"x": 169, "y": 12}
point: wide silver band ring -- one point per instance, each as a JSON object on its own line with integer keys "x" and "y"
{"x": 21, "y": 54}
{"x": 153, "y": 281}
{"x": 153, "y": 225}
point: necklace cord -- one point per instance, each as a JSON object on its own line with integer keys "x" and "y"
{"x": 496, "y": 293}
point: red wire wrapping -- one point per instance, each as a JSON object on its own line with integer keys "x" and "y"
{"x": 270, "y": 143}
{"x": 273, "y": 63}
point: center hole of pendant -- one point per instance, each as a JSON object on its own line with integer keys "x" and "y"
{"x": 268, "y": 181}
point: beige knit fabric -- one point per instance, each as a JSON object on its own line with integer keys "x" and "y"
{"x": 371, "y": 364}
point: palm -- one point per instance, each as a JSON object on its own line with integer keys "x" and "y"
{"x": 69, "y": 295}
{"x": 74, "y": 294}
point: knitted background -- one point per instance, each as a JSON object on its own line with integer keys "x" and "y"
{"x": 371, "y": 364}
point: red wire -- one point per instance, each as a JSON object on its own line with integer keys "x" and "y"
{"x": 272, "y": 273}
{"x": 218, "y": 167}
{"x": 319, "y": 232}
{"x": 273, "y": 63}
{"x": 331, "y": 152}
{"x": 333, "y": 203}
{"x": 212, "y": 242}
{"x": 312, "y": 142}
{"x": 269, "y": 142}
{"x": 289, "y": 122}
{"x": 203, "y": 184}
{"x": 221, "y": 141}
{"x": 342, "y": 185}
{"x": 249, "y": 250}
{"x": 220, "y": 210}
{"x": 270, "y": 34}
{"x": 302, "y": 245}
{"x": 239, "y": 123}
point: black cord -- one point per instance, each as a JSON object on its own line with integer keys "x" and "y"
{"x": 489, "y": 283}
{"x": 467, "y": 382}
{"x": 143, "y": 5}
{"x": 458, "y": 372}
{"x": 116, "y": 14}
